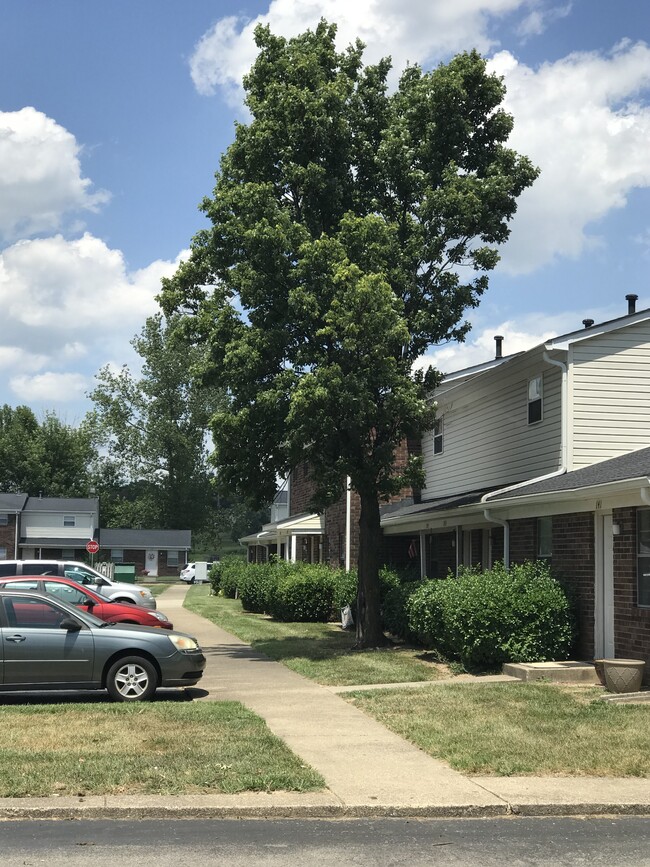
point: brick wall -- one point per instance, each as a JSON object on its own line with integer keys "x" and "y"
{"x": 523, "y": 540}
{"x": 8, "y": 537}
{"x": 301, "y": 490}
{"x": 631, "y": 623}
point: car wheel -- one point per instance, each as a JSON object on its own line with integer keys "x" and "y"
{"x": 192, "y": 580}
{"x": 125, "y": 601}
{"x": 131, "y": 679}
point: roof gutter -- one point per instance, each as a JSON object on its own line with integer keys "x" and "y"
{"x": 564, "y": 438}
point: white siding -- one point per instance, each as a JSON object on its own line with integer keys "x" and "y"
{"x": 609, "y": 384}
{"x": 44, "y": 525}
{"x": 487, "y": 439}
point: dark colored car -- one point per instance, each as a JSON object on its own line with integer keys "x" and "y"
{"x": 86, "y": 599}
{"x": 48, "y": 644}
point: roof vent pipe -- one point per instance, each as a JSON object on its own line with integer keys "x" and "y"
{"x": 587, "y": 323}
{"x": 631, "y": 304}
{"x": 499, "y": 342}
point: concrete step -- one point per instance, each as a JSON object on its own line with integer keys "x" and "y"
{"x": 570, "y": 671}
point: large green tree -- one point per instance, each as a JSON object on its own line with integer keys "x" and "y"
{"x": 152, "y": 427}
{"x": 352, "y": 227}
{"x": 47, "y": 457}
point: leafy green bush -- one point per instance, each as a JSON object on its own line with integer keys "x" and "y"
{"x": 394, "y": 614}
{"x": 304, "y": 594}
{"x": 345, "y": 590}
{"x": 259, "y": 584}
{"x": 487, "y": 618}
{"x": 227, "y": 575}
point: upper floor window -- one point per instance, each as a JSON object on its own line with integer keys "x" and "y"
{"x": 69, "y": 521}
{"x": 534, "y": 399}
{"x": 4, "y": 520}
{"x": 438, "y": 436}
{"x": 643, "y": 556}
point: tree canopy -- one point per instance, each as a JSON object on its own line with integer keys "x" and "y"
{"x": 351, "y": 228}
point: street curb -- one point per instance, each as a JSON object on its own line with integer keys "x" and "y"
{"x": 333, "y": 811}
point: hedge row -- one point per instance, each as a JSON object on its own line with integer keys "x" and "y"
{"x": 481, "y": 619}
{"x": 290, "y": 592}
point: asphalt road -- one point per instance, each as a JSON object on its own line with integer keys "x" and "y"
{"x": 380, "y": 843}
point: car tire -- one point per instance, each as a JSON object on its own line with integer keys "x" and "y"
{"x": 125, "y": 601}
{"x": 132, "y": 678}
{"x": 192, "y": 580}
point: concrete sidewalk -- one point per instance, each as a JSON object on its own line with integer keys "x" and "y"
{"x": 368, "y": 770}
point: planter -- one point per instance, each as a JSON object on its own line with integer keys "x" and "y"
{"x": 623, "y": 675}
{"x": 600, "y": 672}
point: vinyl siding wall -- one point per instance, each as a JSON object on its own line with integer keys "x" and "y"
{"x": 487, "y": 441}
{"x": 609, "y": 382}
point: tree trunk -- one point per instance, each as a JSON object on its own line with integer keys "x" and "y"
{"x": 369, "y": 631}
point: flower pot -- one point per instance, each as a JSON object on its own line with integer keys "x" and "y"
{"x": 623, "y": 675}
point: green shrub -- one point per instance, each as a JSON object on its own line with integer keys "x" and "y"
{"x": 487, "y": 618}
{"x": 304, "y": 594}
{"x": 345, "y": 590}
{"x": 394, "y": 613}
{"x": 227, "y": 575}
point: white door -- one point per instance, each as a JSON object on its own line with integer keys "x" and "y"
{"x": 604, "y": 587}
{"x": 151, "y": 561}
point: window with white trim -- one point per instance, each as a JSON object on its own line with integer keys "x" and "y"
{"x": 69, "y": 521}
{"x": 117, "y": 555}
{"x": 4, "y": 520}
{"x": 438, "y": 427}
{"x": 534, "y": 399}
{"x": 172, "y": 558}
{"x": 643, "y": 557}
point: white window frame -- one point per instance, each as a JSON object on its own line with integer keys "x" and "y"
{"x": 535, "y": 397}
{"x": 117, "y": 555}
{"x": 69, "y": 520}
{"x": 173, "y": 558}
{"x": 438, "y": 435}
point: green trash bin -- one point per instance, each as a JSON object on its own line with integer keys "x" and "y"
{"x": 125, "y": 572}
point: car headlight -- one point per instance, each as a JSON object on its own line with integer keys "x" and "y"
{"x": 159, "y": 615}
{"x": 183, "y": 642}
{"x": 144, "y": 593}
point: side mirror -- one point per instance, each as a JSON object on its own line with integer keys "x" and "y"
{"x": 101, "y": 582}
{"x": 70, "y": 624}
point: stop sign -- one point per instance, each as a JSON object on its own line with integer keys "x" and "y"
{"x": 92, "y": 547}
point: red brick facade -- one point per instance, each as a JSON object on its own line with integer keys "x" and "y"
{"x": 8, "y": 537}
{"x": 631, "y": 623}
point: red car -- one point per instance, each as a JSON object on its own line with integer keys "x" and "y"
{"x": 88, "y": 600}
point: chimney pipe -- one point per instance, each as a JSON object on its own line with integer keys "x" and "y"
{"x": 587, "y": 323}
{"x": 499, "y": 342}
{"x": 631, "y": 303}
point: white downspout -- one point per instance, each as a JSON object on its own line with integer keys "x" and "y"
{"x": 348, "y": 517}
{"x": 564, "y": 440}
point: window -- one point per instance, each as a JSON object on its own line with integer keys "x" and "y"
{"x": 117, "y": 555}
{"x": 172, "y": 558}
{"x": 27, "y": 612}
{"x": 643, "y": 556}
{"x": 68, "y": 553}
{"x": 545, "y": 537}
{"x": 3, "y": 553}
{"x": 69, "y": 521}
{"x": 65, "y": 592}
{"x": 437, "y": 436}
{"x": 4, "y": 520}
{"x": 534, "y": 399}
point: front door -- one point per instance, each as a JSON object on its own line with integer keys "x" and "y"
{"x": 151, "y": 561}
{"x": 604, "y": 587}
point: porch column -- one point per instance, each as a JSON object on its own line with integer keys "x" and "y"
{"x": 294, "y": 548}
{"x": 423, "y": 554}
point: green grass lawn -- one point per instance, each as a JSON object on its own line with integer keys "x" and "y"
{"x": 518, "y": 729}
{"x": 161, "y": 748}
{"x": 320, "y": 651}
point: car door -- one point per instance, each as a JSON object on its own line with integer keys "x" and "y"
{"x": 36, "y": 651}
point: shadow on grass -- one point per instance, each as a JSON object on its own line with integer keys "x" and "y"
{"x": 65, "y": 696}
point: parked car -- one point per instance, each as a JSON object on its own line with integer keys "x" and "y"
{"x": 118, "y": 591}
{"x": 51, "y": 645}
{"x": 86, "y": 599}
{"x": 195, "y": 573}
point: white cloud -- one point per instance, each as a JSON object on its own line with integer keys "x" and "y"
{"x": 421, "y": 31}
{"x": 539, "y": 18}
{"x": 68, "y": 307}
{"x": 40, "y": 175}
{"x": 49, "y": 387}
{"x": 584, "y": 120}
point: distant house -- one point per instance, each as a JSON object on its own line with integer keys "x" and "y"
{"x": 56, "y": 527}
{"x": 156, "y": 552}
{"x": 11, "y": 507}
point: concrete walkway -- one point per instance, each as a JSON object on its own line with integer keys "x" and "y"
{"x": 368, "y": 770}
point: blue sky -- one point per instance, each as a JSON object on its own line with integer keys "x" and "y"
{"x": 113, "y": 117}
